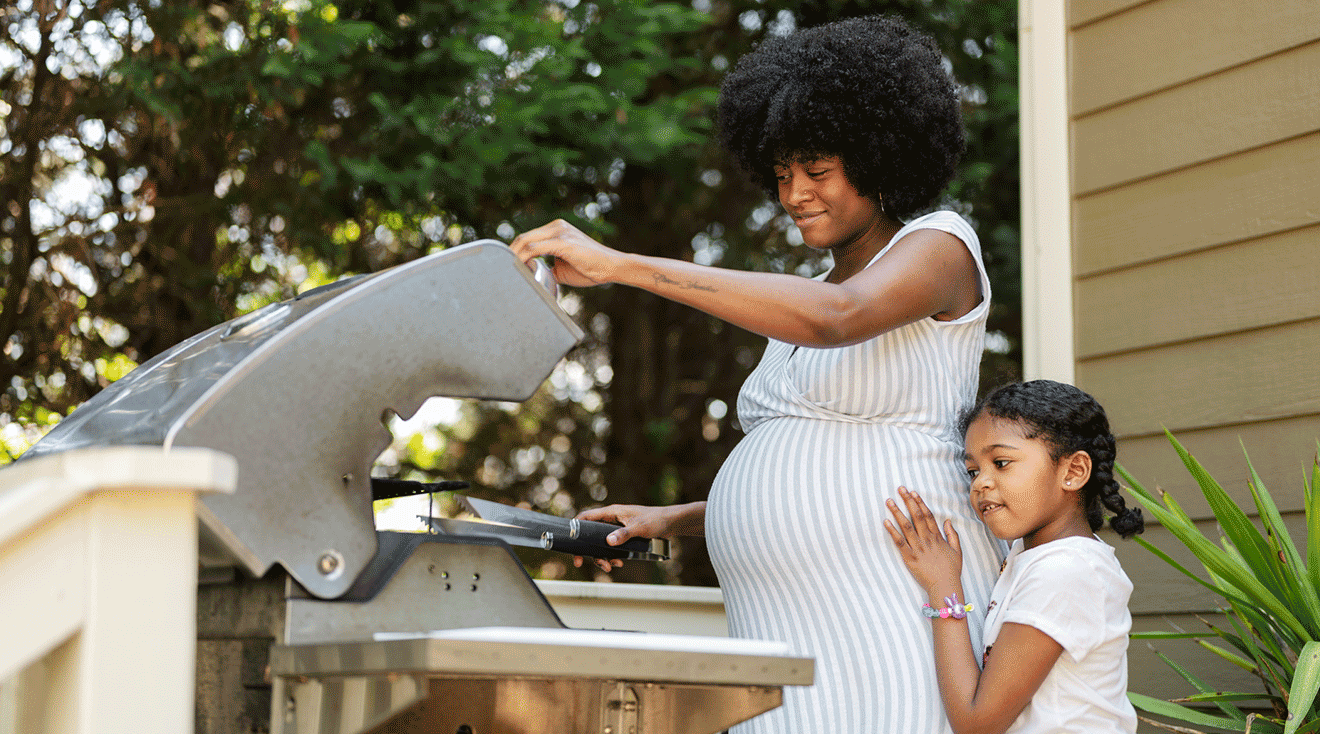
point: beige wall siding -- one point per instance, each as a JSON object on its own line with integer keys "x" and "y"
{"x": 1244, "y": 107}
{"x": 1195, "y": 197}
{"x": 1196, "y": 227}
{"x": 1089, "y": 11}
{"x": 1250, "y": 194}
{"x": 1259, "y": 375}
{"x": 1157, "y": 45}
{"x": 1251, "y": 284}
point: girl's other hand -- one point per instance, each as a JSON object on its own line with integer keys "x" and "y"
{"x": 934, "y": 559}
{"x": 578, "y": 260}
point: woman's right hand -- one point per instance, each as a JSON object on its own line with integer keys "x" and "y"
{"x": 578, "y": 259}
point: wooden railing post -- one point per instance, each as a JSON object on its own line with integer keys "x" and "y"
{"x": 98, "y": 566}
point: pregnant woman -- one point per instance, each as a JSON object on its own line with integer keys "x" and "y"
{"x": 855, "y": 127}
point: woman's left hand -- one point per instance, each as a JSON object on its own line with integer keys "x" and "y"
{"x": 934, "y": 559}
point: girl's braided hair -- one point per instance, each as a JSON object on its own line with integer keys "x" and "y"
{"x": 1067, "y": 420}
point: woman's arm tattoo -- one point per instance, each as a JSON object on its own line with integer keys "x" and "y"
{"x": 688, "y": 285}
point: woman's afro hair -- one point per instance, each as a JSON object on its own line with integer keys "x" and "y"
{"x": 872, "y": 91}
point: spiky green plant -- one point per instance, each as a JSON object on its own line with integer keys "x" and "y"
{"x": 1272, "y": 605}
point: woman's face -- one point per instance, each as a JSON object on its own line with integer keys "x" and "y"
{"x": 826, "y": 208}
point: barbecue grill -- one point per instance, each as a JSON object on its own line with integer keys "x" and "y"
{"x": 359, "y": 630}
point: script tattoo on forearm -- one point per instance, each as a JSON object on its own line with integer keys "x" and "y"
{"x": 690, "y": 285}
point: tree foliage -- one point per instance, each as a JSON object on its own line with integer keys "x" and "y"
{"x": 170, "y": 165}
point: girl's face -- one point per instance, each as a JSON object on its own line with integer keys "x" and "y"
{"x": 826, "y": 208}
{"x": 1018, "y": 489}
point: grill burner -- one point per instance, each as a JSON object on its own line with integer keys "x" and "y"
{"x": 401, "y": 632}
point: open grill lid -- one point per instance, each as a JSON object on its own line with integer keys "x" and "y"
{"x": 296, "y": 392}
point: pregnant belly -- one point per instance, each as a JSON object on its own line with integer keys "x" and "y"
{"x": 800, "y": 492}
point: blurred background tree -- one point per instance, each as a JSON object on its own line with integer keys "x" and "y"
{"x": 165, "y": 166}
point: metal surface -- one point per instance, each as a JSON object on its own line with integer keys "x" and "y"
{"x": 343, "y": 705}
{"x": 501, "y": 680}
{"x": 543, "y": 275}
{"x": 421, "y": 583}
{"x": 138, "y": 409}
{"x": 382, "y": 705}
{"x": 297, "y": 392}
{"x": 559, "y": 653}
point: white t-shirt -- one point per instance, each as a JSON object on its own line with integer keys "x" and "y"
{"x": 1074, "y": 590}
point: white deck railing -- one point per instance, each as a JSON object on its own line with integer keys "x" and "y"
{"x": 98, "y": 585}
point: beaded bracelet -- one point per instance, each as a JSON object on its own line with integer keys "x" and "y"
{"x": 953, "y": 608}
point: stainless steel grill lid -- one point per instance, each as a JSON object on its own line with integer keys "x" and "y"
{"x": 296, "y": 392}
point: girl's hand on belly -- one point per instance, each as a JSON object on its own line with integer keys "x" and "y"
{"x": 934, "y": 559}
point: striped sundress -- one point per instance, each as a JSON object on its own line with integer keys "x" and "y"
{"x": 795, "y": 517}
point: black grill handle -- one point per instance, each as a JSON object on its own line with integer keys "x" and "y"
{"x": 384, "y": 489}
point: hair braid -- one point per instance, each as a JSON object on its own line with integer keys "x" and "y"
{"x": 1102, "y": 489}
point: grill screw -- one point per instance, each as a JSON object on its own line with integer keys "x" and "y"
{"x": 328, "y": 563}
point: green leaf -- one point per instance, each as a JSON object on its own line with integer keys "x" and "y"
{"x": 1218, "y": 561}
{"x": 1199, "y": 685}
{"x": 1166, "y": 635}
{"x": 1221, "y": 696}
{"x": 1182, "y": 713}
{"x": 1264, "y": 630}
{"x": 1238, "y": 660}
{"x": 1133, "y": 485}
{"x": 277, "y": 65}
{"x": 1260, "y": 724}
{"x": 357, "y": 31}
{"x": 1295, "y": 575}
{"x": 1305, "y": 682}
{"x": 1248, "y": 541}
{"x": 1247, "y": 637}
{"x": 1169, "y": 560}
{"x": 1313, "y": 522}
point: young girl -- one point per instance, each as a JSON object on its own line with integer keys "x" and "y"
{"x": 1041, "y": 459}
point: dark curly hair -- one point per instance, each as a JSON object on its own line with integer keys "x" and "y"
{"x": 872, "y": 91}
{"x": 1067, "y": 420}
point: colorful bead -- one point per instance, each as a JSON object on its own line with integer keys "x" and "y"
{"x": 953, "y": 608}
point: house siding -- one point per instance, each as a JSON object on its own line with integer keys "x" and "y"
{"x": 1194, "y": 131}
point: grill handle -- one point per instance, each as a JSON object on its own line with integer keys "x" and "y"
{"x": 543, "y": 275}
